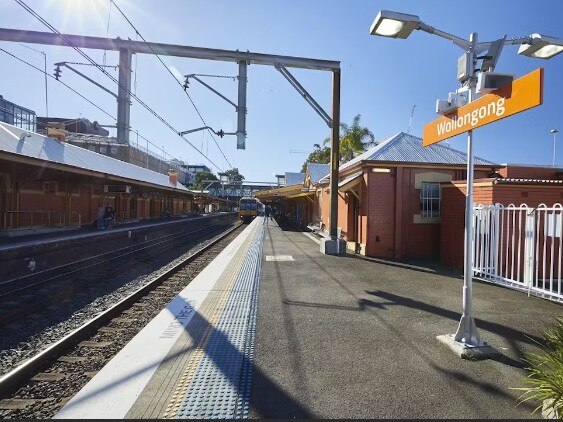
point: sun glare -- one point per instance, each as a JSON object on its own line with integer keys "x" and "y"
{"x": 80, "y": 14}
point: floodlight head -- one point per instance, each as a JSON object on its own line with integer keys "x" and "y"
{"x": 541, "y": 47}
{"x": 394, "y": 24}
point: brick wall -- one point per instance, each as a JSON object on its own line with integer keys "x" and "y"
{"x": 381, "y": 214}
{"x": 530, "y": 195}
{"x": 453, "y": 210}
{"x": 527, "y": 172}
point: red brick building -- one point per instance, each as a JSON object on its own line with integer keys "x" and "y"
{"x": 46, "y": 183}
{"x": 389, "y": 196}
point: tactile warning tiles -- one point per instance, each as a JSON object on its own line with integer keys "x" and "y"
{"x": 220, "y": 385}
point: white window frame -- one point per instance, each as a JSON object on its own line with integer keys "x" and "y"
{"x": 427, "y": 196}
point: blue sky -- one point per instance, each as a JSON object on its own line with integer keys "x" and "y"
{"x": 382, "y": 78}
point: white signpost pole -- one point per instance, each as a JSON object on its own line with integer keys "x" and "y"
{"x": 467, "y": 331}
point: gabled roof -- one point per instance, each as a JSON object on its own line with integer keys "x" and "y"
{"x": 49, "y": 149}
{"x": 294, "y": 178}
{"x": 317, "y": 171}
{"x": 406, "y": 148}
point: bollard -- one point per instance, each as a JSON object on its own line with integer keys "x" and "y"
{"x": 129, "y": 234}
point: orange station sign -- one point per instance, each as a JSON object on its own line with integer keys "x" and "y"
{"x": 523, "y": 93}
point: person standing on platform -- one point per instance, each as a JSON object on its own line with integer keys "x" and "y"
{"x": 108, "y": 215}
{"x": 101, "y": 213}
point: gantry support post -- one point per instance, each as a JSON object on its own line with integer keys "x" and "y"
{"x": 241, "y": 108}
{"x": 334, "y": 245}
{"x": 124, "y": 96}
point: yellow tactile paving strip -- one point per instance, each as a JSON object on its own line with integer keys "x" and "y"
{"x": 166, "y": 391}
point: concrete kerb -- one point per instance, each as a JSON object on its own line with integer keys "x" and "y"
{"x": 465, "y": 351}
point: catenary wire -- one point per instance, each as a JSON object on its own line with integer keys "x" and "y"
{"x": 171, "y": 74}
{"x": 77, "y": 93}
{"x": 87, "y": 57}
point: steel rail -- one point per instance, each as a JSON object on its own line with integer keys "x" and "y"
{"x": 160, "y": 242}
{"x": 148, "y": 243}
{"x": 19, "y": 375}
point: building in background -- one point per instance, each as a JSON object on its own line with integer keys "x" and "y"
{"x": 17, "y": 115}
{"x": 193, "y": 169}
{"x": 90, "y": 135}
{"x": 80, "y": 125}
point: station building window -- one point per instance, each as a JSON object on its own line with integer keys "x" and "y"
{"x": 114, "y": 150}
{"x": 430, "y": 200}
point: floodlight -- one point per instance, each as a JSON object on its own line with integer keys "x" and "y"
{"x": 394, "y": 24}
{"x": 541, "y": 47}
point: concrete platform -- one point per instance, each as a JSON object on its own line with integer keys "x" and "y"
{"x": 335, "y": 337}
{"x": 194, "y": 359}
{"x": 355, "y": 337}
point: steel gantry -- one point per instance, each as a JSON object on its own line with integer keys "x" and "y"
{"x": 127, "y": 48}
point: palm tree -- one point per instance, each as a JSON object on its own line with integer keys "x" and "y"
{"x": 354, "y": 139}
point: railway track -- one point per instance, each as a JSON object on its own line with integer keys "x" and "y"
{"x": 43, "y": 384}
{"x": 22, "y": 296}
{"x": 39, "y": 277}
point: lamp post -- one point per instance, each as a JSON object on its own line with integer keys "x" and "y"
{"x": 554, "y": 131}
{"x": 466, "y": 341}
{"x": 45, "y": 74}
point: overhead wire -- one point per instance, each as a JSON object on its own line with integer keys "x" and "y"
{"x": 77, "y": 93}
{"x": 87, "y": 57}
{"x": 107, "y": 33}
{"x": 174, "y": 77}
{"x": 66, "y": 85}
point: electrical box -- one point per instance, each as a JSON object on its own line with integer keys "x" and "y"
{"x": 454, "y": 101}
{"x": 488, "y": 81}
{"x": 464, "y": 67}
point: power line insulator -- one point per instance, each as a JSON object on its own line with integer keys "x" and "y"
{"x": 57, "y": 72}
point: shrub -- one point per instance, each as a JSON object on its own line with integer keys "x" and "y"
{"x": 544, "y": 384}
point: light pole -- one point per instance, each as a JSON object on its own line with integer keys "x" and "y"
{"x": 45, "y": 74}
{"x": 466, "y": 341}
{"x": 554, "y": 131}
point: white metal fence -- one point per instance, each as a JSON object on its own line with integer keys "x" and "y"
{"x": 520, "y": 247}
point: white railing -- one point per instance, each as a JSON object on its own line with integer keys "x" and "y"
{"x": 520, "y": 247}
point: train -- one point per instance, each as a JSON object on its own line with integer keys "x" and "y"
{"x": 249, "y": 208}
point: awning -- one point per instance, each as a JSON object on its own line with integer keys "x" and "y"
{"x": 350, "y": 182}
{"x": 280, "y": 192}
{"x": 307, "y": 195}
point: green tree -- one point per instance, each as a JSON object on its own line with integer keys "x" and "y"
{"x": 200, "y": 180}
{"x": 354, "y": 139}
{"x": 319, "y": 155}
{"x": 234, "y": 175}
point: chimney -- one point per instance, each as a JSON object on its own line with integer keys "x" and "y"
{"x": 173, "y": 176}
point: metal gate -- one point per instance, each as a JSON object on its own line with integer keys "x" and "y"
{"x": 520, "y": 247}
